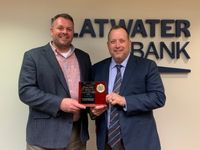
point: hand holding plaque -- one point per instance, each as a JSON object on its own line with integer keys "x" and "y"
{"x": 92, "y": 93}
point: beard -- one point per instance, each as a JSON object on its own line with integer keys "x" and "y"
{"x": 61, "y": 44}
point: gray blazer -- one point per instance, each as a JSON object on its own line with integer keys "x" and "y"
{"x": 42, "y": 86}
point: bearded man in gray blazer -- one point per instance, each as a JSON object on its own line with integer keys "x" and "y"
{"x": 48, "y": 84}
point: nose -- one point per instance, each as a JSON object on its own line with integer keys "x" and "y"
{"x": 117, "y": 44}
{"x": 64, "y": 30}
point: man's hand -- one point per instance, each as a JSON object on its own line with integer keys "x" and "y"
{"x": 115, "y": 99}
{"x": 71, "y": 105}
{"x": 98, "y": 110}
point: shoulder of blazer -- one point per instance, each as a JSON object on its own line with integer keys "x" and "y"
{"x": 35, "y": 51}
{"x": 82, "y": 57}
{"x": 42, "y": 52}
{"x": 45, "y": 47}
{"x": 140, "y": 60}
{"x": 101, "y": 64}
{"x": 80, "y": 52}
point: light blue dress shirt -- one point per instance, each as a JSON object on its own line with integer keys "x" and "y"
{"x": 112, "y": 75}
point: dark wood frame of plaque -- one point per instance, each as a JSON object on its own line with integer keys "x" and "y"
{"x": 92, "y": 93}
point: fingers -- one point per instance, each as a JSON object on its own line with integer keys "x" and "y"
{"x": 109, "y": 98}
{"x": 75, "y": 105}
{"x": 99, "y": 107}
{"x": 98, "y": 110}
{"x": 80, "y": 106}
{"x": 112, "y": 98}
{"x": 115, "y": 99}
{"x": 71, "y": 105}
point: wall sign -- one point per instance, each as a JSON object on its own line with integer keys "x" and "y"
{"x": 174, "y": 30}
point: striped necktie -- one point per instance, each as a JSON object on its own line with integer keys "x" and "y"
{"x": 114, "y": 133}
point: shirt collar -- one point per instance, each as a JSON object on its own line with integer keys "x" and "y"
{"x": 124, "y": 63}
{"x": 67, "y": 54}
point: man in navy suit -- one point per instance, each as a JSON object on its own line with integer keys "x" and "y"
{"x": 141, "y": 91}
{"x": 48, "y": 84}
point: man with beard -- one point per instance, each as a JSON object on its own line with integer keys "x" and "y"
{"x": 48, "y": 84}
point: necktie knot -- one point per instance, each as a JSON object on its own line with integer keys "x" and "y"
{"x": 118, "y": 67}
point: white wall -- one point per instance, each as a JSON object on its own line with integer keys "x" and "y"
{"x": 25, "y": 24}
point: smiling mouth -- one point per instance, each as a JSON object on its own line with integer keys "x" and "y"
{"x": 118, "y": 51}
{"x": 64, "y": 39}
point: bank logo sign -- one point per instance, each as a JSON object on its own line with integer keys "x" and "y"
{"x": 173, "y": 34}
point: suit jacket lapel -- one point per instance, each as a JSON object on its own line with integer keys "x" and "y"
{"x": 128, "y": 72}
{"x": 81, "y": 64}
{"x": 50, "y": 56}
{"x": 105, "y": 72}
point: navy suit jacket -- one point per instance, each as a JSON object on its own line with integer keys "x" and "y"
{"x": 42, "y": 86}
{"x": 143, "y": 90}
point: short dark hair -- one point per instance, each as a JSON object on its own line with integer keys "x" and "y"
{"x": 63, "y": 15}
{"x": 118, "y": 27}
